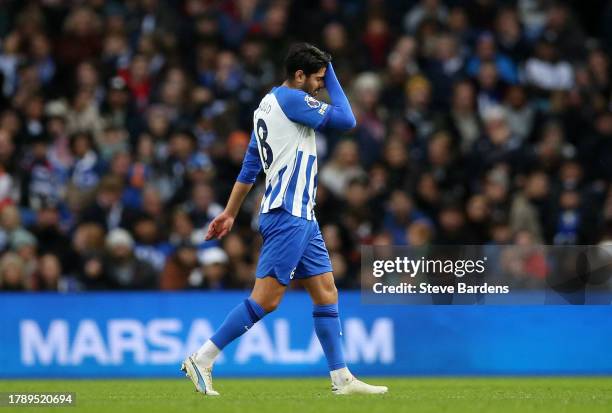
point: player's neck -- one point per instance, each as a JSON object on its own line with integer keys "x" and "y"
{"x": 290, "y": 84}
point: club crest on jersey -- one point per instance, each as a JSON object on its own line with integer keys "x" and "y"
{"x": 312, "y": 102}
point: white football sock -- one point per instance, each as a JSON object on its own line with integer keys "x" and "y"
{"x": 207, "y": 354}
{"x": 341, "y": 377}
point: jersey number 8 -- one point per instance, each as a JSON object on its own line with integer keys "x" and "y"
{"x": 266, "y": 150}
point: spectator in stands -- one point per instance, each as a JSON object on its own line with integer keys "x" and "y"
{"x": 122, "y": 268}
{"x": 179, "y": 268}
{"x": 214, "y": 269}
{"x": 546, "y": 70}
{"x": 25, "y": 245}
{"x": 12, "y": 277}
{"x": 108, "y": 210}
{"x": 342, "y": 168}
{"x": 48, "y": 277}
{"x": 86, "y": 260}
{"x": 486, "y": 51}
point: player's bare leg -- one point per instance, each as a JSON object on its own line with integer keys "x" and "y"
{"x": 268, "y": 293}
{"x": 265, "y": 298}
{"x": 324, "y": 295}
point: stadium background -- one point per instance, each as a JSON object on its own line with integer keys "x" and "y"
{"x": 123, "y": 126}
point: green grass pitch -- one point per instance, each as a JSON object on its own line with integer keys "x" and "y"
{"x": 439, "y": 395}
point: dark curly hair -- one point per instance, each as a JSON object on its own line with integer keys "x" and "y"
{"x": 306, "y": 57}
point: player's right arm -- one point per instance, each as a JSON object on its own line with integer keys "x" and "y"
{"x": 251, "y": 166}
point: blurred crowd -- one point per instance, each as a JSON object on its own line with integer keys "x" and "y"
{"x": 123, "y": 125}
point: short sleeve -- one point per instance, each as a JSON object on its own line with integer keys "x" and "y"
{"x": 302, "y": 108}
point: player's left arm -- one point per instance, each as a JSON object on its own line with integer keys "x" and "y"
{"x": 251, "y": 166}
{"x": 340, "y": 115}
{"x": 302, "y": 108}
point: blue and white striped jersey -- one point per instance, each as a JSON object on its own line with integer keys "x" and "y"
{"x": 284, "y": 137}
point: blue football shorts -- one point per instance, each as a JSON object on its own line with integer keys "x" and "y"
{"x": 293, "y": 247}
